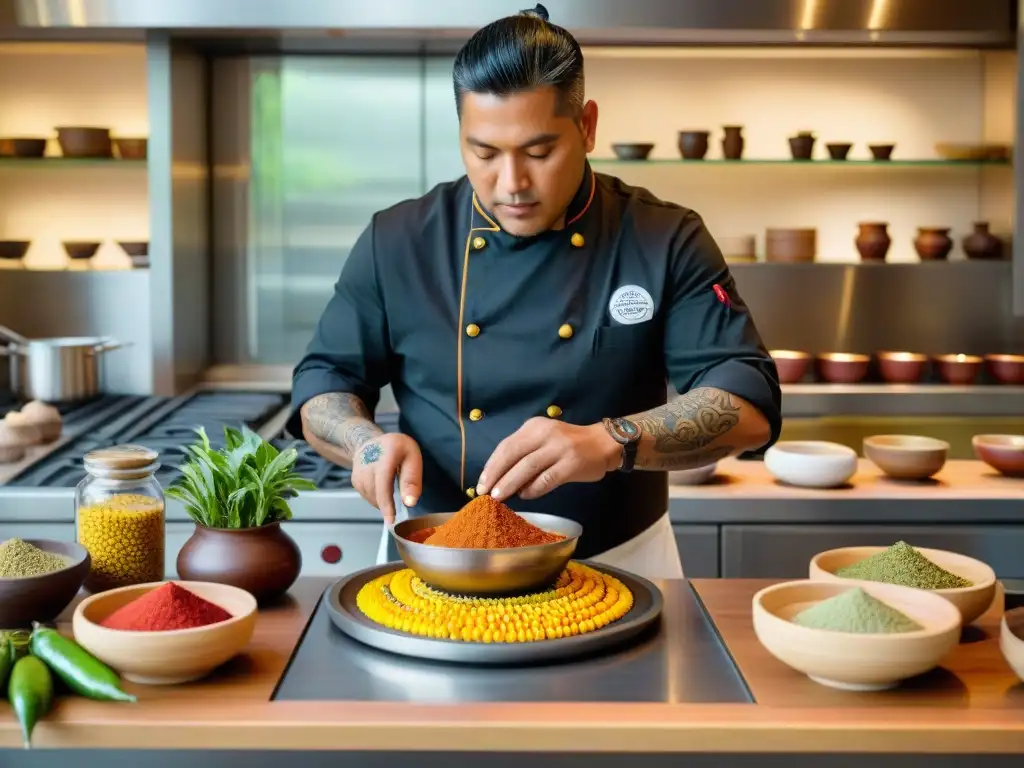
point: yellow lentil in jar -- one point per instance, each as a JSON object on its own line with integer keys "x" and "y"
{"x": 583, "y": 600}
{"x": 124, "y": 535}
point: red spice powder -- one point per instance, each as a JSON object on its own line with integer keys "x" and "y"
{"x": 165, "y": 608}
{"x": 485, "y": 523}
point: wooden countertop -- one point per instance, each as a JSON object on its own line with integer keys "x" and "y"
{"x": 973, "y": 705}
{"x": 958, "y": 479}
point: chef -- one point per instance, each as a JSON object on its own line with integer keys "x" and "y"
{"x": 527, "y": 317}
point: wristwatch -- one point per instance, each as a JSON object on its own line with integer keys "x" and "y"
{"x": 626, "y": 434}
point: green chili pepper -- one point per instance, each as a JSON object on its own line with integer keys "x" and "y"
{"x": 30, "y": 691}
{"x": 81, "y": 671}
{"x": 6, "y": 660}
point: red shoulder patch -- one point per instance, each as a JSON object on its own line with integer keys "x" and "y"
{"x": 721, "y": 295}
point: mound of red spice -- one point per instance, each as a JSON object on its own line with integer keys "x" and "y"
{"x": 485, "y": 523}
{"x": 167, "y": 607}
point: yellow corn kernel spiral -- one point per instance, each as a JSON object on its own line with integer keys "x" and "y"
{"x": 581, "y": 601}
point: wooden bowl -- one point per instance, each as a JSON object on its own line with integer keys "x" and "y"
{"x": 850, "y": 660}
{"x": 971, "y": 601}
{"x": 1004, "y": 453}
{"x": 959, "y": 369}
{"x": 175, "y": 656}
{"x": 791, "y": 364}
{"x": 22, "y": 147}
{"x": 134, "y": 248}
{"x": 881, "y": 151}
{"x": 42, "y": 598}
{"x": 131, "y": 149}
{"x": 791, "y": 246}
{"x": 632, "y": 151}
{"x": 907, "y": 457}
{"x": 843, "y": 367}
{"x": 838, "y": 150}
{"x": 83, "y": 141}
{"x": 1006, "y": 369}
{"x": 12, "y": 250}
{"x": 1011, "y": 640}
{"x": 811, "y": 463}
{"x": 901, "y": 367}
{"x": 80, "y": 249}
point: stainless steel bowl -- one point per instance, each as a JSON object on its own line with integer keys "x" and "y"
{"x": 488, "y": 571}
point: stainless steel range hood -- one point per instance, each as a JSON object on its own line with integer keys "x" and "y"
{"x": 977, "y": 23}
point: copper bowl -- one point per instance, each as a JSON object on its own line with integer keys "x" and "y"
{"x": 901, "y": 367}
{"x": 82, "y": 141}
{"x": 791, "y": 364}
{"x": 12, "y": 250}
{"x": 22, "y": 147}
{"x": 1006, "y": 369}
{"x": 80, "y": 250}
{"x": 959, "y": 369}
{"x": 843, "y": 367}
{"x": 131, "y": 149}
{"x": 1004, "y": 453}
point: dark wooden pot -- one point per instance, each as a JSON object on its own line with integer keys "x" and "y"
{"x": 265, "y": 561}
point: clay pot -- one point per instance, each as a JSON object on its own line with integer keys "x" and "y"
{"x": 132, "y": 149}
{"x": 933, "y": 243}
{"x": 901, "y": 367}
{"x": 881, "y": 151}
{"x": 843, "y": 367}
{"x": 982, "y": 244}
{"x": 22, "y": 147}
{"x": 264, "y": 561}
{"x": 693, "y": 145}
{"x": 959, "y": 369}
{"x": 791, "y": 245}
{"x": 873, "y": 241}
{"x": 1006, "y": 369}
{"x": 838, "y": 151}
{"x": 801, "y": 146}
{"x": 732, "y": 142}
{"x": 790, "y": 364}
{"x": 632, "y": 151}
{"x": 80, "y": 141}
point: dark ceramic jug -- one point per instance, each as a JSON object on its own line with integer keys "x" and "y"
{"x": 933, "y": 243}
{"x": 982, "y": 244}
{"x": 264, "y": 561}
{"x": 732, "y": 142}
{"x": 873, "y": 241}
{"x": 693, "y": 145}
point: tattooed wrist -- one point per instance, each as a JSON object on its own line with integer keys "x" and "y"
{"x": 689, "y": 431}
{"x": 342, "y": 420}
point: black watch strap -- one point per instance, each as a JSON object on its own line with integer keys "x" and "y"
{"x": 627, "y": 434}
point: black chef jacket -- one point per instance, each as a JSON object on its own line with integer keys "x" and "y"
{"x": 477, "y": 331}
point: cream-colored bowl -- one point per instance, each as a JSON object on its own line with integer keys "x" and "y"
{"x": 849, "y": 660}
{"x": 811, "y": 463}
{"x": 972, "y": 601}
{"x": 696, "y": 476}
{"x": 166, "y": 658}
{"x": 1011, "y": 640}
{"x": 906, "y": 457}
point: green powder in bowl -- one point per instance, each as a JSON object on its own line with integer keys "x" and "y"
{"x": 902, "y": 564}
{"x": 19, "y": 559}
{"x": 856, "y": 611}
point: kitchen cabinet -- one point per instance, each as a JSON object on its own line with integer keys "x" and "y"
{"x": 698, "y": 548}
{"x": 784, "y": 551}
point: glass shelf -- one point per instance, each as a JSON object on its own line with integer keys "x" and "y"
{"x": 932, "y": 163}
{"x": 67, "y": 162}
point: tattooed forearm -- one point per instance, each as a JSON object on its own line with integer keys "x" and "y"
{"x": 695, "y": 429}
{"x": 341, "y": 421}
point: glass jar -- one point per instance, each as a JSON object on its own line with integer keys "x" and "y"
{"x": 120, "y": 517}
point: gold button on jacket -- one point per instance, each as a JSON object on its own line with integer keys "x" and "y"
{"x": 554, "y": 411}
{"x": 473, "y": 330}
{"x": 577, "y": 240}
{"x": 476, "y": 414}
{"x": 565, "y": 331}
{"x": 478, "y": 243}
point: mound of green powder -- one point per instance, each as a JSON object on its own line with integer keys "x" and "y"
{"x": 855, "y": 611}
{"x": 902, "y": 564}
{"x": 19, "y": 559}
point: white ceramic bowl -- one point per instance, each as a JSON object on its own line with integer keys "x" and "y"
{"x": 971, "y": 601}
{"x": 849, "y": 660}
{"x": 811, "y": 463}
{"x": 692, "y": 476}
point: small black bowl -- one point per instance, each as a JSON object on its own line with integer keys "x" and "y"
{"x": 632, "y": 151}
{"x": 11, "y": 250}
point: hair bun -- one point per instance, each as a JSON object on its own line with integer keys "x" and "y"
{"x": 539, "y": 12}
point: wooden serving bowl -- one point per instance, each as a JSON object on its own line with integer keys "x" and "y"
{"x": 959, "y": 369}
{"x": 849, "y": 660}
{"x": 1006, "y": 369}
{"x": 84, "y": 141}
{"x": 175, "y": 656}
{"x": 1004, "y": 453}
{"x": 907, "y": 457}
{"x": 843, "y": 367}
{"x": 791, "y": 364}
{"x": 971, "y": 601}
{"x": 901, "y": 367}
{"x": 42, "y": 598}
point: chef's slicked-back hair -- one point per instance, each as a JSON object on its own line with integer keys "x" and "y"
{"x": 521, "y": 53}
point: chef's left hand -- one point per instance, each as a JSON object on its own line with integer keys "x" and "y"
{"x": 544, "y": 454}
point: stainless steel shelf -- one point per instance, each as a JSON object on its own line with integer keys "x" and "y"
{"x": 808, "y": 400}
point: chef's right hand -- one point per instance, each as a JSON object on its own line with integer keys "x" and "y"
{"x": 375, "y": 466}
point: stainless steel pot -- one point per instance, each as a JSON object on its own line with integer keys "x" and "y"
{"x": 56, "y": 370}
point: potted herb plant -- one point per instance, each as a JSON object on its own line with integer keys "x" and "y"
{"x": 238, "y": 496}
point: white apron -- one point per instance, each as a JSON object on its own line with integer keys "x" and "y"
{"x": 652, "y": 554}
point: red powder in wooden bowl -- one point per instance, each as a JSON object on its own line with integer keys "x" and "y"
{"x": 165, "y": 608}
